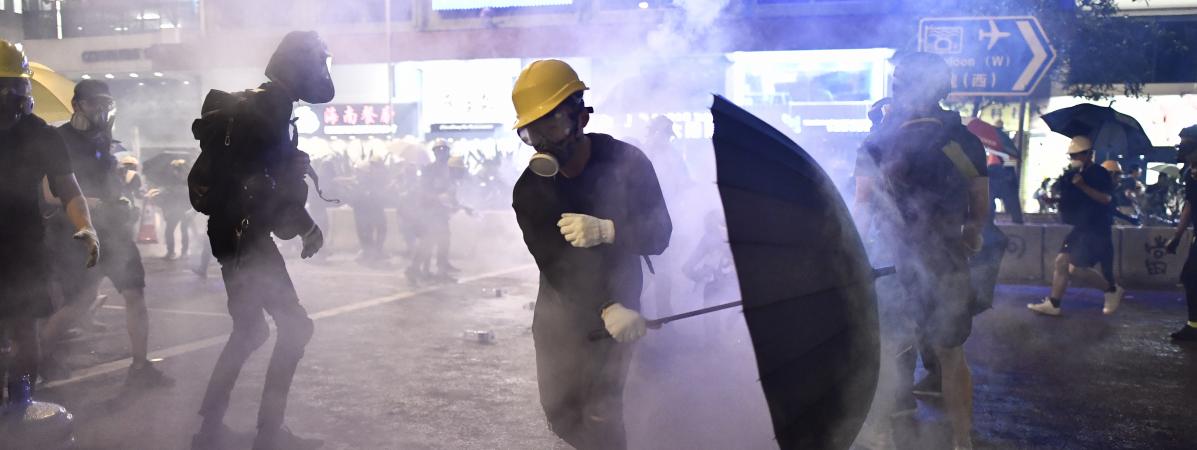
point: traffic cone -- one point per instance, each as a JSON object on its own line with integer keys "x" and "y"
{"x": 147, "y": 233}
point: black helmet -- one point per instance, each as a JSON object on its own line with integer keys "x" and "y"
{"x": 921, "y": 77}
{"x": 301, "y": 63}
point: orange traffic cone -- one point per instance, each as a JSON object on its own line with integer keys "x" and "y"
{"x": 147, "y": 233}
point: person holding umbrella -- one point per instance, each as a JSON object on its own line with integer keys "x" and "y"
{"x": 30, "y": 151}
{"x": 589, "y": 207}
{"x": 922, "y": 175}
{"x": 1085, "y": 203}
{"x": 1187, "y": 154}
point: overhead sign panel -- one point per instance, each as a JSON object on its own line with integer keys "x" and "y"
{"x": 990, "y": 56}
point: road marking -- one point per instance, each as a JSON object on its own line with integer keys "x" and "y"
{"x": 181, "y": 349}
{"x": 174, "y": 311}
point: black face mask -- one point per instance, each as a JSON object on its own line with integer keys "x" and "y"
{"x": 301, "y": 64}
{"x": 14, "y": 104}
{"x": 316, "y": 84}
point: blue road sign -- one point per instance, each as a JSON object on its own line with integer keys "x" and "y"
{"x": 990, "y": 56}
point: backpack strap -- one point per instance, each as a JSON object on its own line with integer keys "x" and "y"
{"x": 955, "y": 153}
{"x": 952, "y": 150}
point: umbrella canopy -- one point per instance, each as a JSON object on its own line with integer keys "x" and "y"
{"x": 158, "y": 168}
{"x": 993, "y": 139}
{"x": 1169, "y": 170}
{"x": 1113, "y": 133}
{"x": 805, "y": 281}
{"x": 52, "y": 94}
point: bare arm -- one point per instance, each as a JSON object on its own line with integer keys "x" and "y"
{"x": 67, "y": 190}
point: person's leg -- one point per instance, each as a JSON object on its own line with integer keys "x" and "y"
{"x": 185, "y": 234}
{"x": 1061, "y": 275}
{"x": 172, "y": 222}
{"x": 361, "y": 224}
{"x": 957, "y": 393}
{"x": 295, "y": 329}
{"x": 137, "y": 319}
{"x": 249, "y": 332}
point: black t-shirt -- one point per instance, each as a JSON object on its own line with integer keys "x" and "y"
{"x": 29, "y": 152}
{"x": 1191, "y": 193}
{"x": 92, "y": 162}
{"x": 1076, "y": 207}
{"x": 919, "y": 189}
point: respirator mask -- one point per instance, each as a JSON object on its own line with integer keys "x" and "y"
{"x": 552, "y": 136}
{"x": 1077, "y": 161}
{"x": 15, "y": 101}
{"x": 96, "y": 115}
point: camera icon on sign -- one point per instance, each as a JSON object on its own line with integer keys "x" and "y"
{"x": 943, "y": 40}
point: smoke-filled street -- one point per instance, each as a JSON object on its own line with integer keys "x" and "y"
{"x": 389, "y": 368}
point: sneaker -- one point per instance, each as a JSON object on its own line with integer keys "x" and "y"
{"x": 213, "y": 439}
{"x": 1044, "y": 308}
{"x": 145, "y": 375}
{"x": 1188, "y": 334}
{"x": 929, "y": 386}
{"x": 1113, "y": 299}
{"x": 284, "y": 439}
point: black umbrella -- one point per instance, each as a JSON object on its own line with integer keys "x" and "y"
{"x": 805, "y": 281}
{"x": 1113, "y": 133}
{"x": 159, "y": 171}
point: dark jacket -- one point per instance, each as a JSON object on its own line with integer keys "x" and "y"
{"x": 618, "y": 184}
{"x": 259, "y": 180}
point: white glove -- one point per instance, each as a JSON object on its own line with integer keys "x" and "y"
{"x": 585, "y": 231}
{"x": 625, "y": 325}
{"x": 92, "y": 242}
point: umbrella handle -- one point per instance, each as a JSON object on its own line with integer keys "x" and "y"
{"x": 598, "y": 335}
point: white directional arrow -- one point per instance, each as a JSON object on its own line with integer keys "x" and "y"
{"x": 1039, "y": 55}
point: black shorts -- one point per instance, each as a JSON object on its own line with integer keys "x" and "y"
{"x": 1086, "y": 247}
{"x": 120, "y": 260}
{"x": 938, "y": 293}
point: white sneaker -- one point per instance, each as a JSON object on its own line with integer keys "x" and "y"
{"x": 1113, "y": 299}
{"x": 1044, "y": 308}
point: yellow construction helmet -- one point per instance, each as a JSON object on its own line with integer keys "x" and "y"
{"x": 13, "y": 63}
{"x": 541, "y": 87}
{"x": 1112, "y": 166}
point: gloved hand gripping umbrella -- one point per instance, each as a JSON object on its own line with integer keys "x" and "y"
{"x": 805, "y": 281}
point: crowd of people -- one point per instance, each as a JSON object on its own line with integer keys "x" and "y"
{"x": 591, "y": 208}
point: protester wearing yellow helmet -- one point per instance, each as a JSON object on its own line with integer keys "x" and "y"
{"x": 589, "y": 207}
{"x": 30, "y": 151}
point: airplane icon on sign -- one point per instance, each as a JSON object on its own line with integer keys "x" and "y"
{"x": 994, "y": 34}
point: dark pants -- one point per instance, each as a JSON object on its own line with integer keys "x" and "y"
{"x": 580, "y": 382}
{"x": 371, "y": 224}
{"x": 1188, "y": 277}
{"x": 257, "y": 282}
{"x": 177, "y": 219}
{"x": 1003, "y": 185}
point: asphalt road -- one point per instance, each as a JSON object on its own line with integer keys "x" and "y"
{"x": 389, "y": 368}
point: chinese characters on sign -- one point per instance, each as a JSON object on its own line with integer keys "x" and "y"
{"x": 357, "y": 119}
{"x": 990, "y": 56}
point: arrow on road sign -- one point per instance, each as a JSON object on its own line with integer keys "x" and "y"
{"x": 990, "y": 56}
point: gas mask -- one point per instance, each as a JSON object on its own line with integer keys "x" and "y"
{"x": 302, "y": 64}
{"x": 1076, "y": 164}
{"x": 94, "y": 115}
{"x": 553, "y": 137}
{"x": 15, "y": 101}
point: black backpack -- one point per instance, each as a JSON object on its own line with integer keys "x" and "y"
{"x": 214, "y": 176}
{"x": 926, "y": 173}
